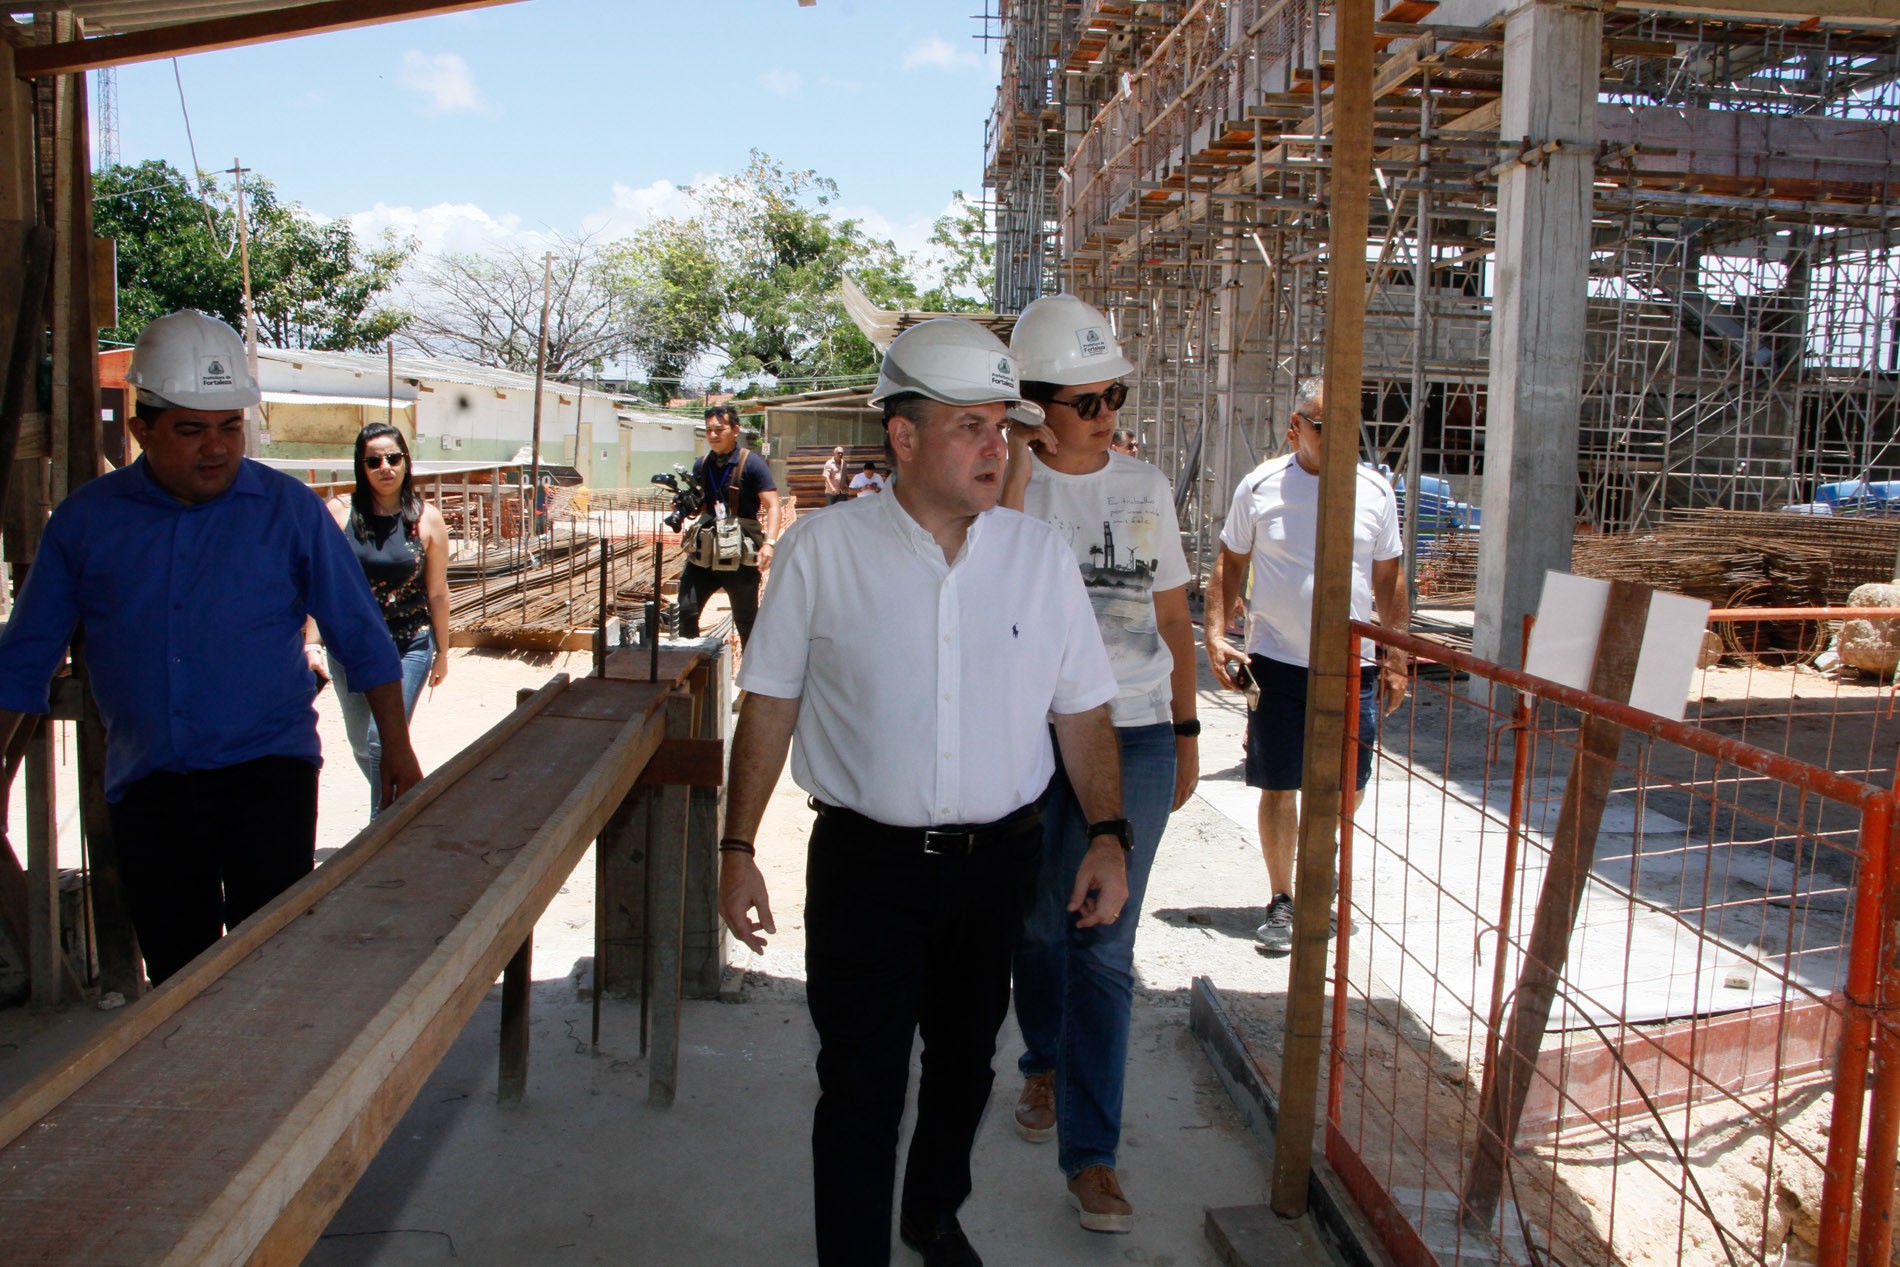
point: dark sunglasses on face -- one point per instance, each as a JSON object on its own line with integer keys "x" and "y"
{"x": 1088, "y": 404}
{"x": 374, "y": 461}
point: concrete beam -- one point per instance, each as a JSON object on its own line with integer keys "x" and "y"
{"x": 1844, "y": 12}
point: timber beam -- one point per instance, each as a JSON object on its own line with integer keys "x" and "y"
{"x": 208, "y": 35}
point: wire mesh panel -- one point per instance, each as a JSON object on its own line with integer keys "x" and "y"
{"x": 1696, "y": 1092}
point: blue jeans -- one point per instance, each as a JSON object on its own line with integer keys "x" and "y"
{"x": 1076, "y": 986}
{"x": 418, "y": 657}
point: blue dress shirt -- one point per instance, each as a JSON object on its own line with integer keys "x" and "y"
{"x": 194, "y": 619}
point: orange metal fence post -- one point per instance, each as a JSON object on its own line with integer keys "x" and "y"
{"x": 1883, "y": 1125}
{"x": 1850, "y": 1075}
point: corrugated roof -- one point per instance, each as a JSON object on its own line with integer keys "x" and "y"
{"x": 440, "y": 369}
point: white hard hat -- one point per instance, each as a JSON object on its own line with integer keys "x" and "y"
{"x": 1060, "y": 339}
{"x": 956, "y": 361}
{"x": 186, "y": 360}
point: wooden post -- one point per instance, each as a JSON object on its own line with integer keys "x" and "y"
{"x": 120, "y": 964}
{"x": 1320, "y": 786}
{"x": 511, "y": 1083}
{"x": 42, "y": 869}
{"x": 1508, "y": 1080}
{"x": 667, "y": 867}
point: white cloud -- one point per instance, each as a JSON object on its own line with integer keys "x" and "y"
{"x": 785, "y": 83}
{"x": 939, "y": 52}
{"x": 631, "y": 210}
{"x": 446, "y": 228}
{"x": 443, "y": 81}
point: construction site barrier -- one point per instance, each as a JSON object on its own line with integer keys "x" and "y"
{"x": 1700, "y": 1093}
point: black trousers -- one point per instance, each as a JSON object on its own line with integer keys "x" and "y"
{"x": 697, "y": 584}
{"x": 897, "y": 941}
{"x": 200, "y": 852}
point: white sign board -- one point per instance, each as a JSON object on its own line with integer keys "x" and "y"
{"x": 1570, "y": 619}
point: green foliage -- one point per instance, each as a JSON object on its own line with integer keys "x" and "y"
{"x": 751, "y": 279}
{"x": 966, "y": 257}
{"x": 312, "y": 283}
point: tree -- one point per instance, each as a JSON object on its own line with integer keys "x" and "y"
{"x": 750, "y": 280}
{"x": 965, "y": 259}
{"x": 487, "y": 308}
{"x": 312, "y": 284}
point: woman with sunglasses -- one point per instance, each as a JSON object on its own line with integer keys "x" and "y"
{"x": 403, "y": 544}
{"x": 1075, "y": 986}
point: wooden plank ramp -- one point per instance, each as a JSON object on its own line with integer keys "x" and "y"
{"x": 225, "y": 1116}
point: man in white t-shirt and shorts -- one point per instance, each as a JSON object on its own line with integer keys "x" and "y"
{"x": 1272, "y": 525}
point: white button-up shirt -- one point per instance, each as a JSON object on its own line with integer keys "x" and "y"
{"x": 925, "y": 686}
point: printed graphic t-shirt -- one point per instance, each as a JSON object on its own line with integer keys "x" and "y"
{"x": 1120, "y": 523}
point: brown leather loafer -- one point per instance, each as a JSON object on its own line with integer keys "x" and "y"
{"x": 1036, "y": 1108}
{"x": 1097, "y": 1196}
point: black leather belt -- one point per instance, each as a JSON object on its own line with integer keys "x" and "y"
{"x": 957, "y": 839}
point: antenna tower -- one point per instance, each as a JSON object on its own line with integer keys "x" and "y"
{"x": 108, "y": 155}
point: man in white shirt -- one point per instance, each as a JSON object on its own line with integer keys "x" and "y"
{"x": 1272, "y": 525}
{"x": 867, "y": 481}
{"x": 918, "y": 645}
{"x": 836, "y": 490}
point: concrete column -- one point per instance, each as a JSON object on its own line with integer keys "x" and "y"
{"x": 1537, "y": 318}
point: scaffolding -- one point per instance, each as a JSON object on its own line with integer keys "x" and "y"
{"x": 1744, "y": 280}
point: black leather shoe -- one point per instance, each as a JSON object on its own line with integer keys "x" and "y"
{"x": 941, "y": 1241}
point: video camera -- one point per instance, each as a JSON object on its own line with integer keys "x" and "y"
{"x": 687, "y": 502}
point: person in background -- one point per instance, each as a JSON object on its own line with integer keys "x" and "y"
{"x": 193, "y": 573}
{"x": 836, "y": 490}
{"x": 1075, "y": 986}
{"x": 1122, "y": 440}
{"x": 736, "y": 483}
{"x": 867, "y": 481}
{"x": 1272, "y": 526}
{"x": 402, "y": 544}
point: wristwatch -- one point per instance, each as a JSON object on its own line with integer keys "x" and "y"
{"x": 1189, "y": 729}
{"x": 1118, "y": 828}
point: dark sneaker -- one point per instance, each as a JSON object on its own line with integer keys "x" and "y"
{"x": 941, "y": 1241}
{"x": 1275, "y": 937}
{"x": 1036, "y": 1108}
{"x": 1097, "y": 1196}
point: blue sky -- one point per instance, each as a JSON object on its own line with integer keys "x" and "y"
{"x": 587, "y": 114}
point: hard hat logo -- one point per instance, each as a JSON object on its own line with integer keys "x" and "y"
{"x": 1060, "y": 339}
{"x": 214, "y": 375}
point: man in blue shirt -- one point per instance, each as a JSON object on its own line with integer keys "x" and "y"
{"x": 192, "y": 572}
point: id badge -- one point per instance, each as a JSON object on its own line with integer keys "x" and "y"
{"x": 719, "y": 511}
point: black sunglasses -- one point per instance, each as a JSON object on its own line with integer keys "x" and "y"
{"x": 1315, "y": 423}
{"x": 1088, "y": 404}
{"x": 374, "y": 461}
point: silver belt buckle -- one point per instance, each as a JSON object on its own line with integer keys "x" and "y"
{"x": 950, "y": 842}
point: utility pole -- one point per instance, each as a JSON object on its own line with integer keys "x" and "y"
{"x": 540, "y": 373}
{"x": 254, "y": 436}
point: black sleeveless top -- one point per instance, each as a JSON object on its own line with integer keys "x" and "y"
{"x": 392, "y": 553}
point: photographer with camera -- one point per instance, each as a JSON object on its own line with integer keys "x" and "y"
{"x": 737, "y": 528}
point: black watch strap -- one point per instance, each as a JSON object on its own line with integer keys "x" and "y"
{"x": 1116, "y": 827}
{"x": 1189, "y": 729}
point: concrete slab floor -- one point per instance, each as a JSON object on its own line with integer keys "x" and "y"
{"x": 584, "y": 1172}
